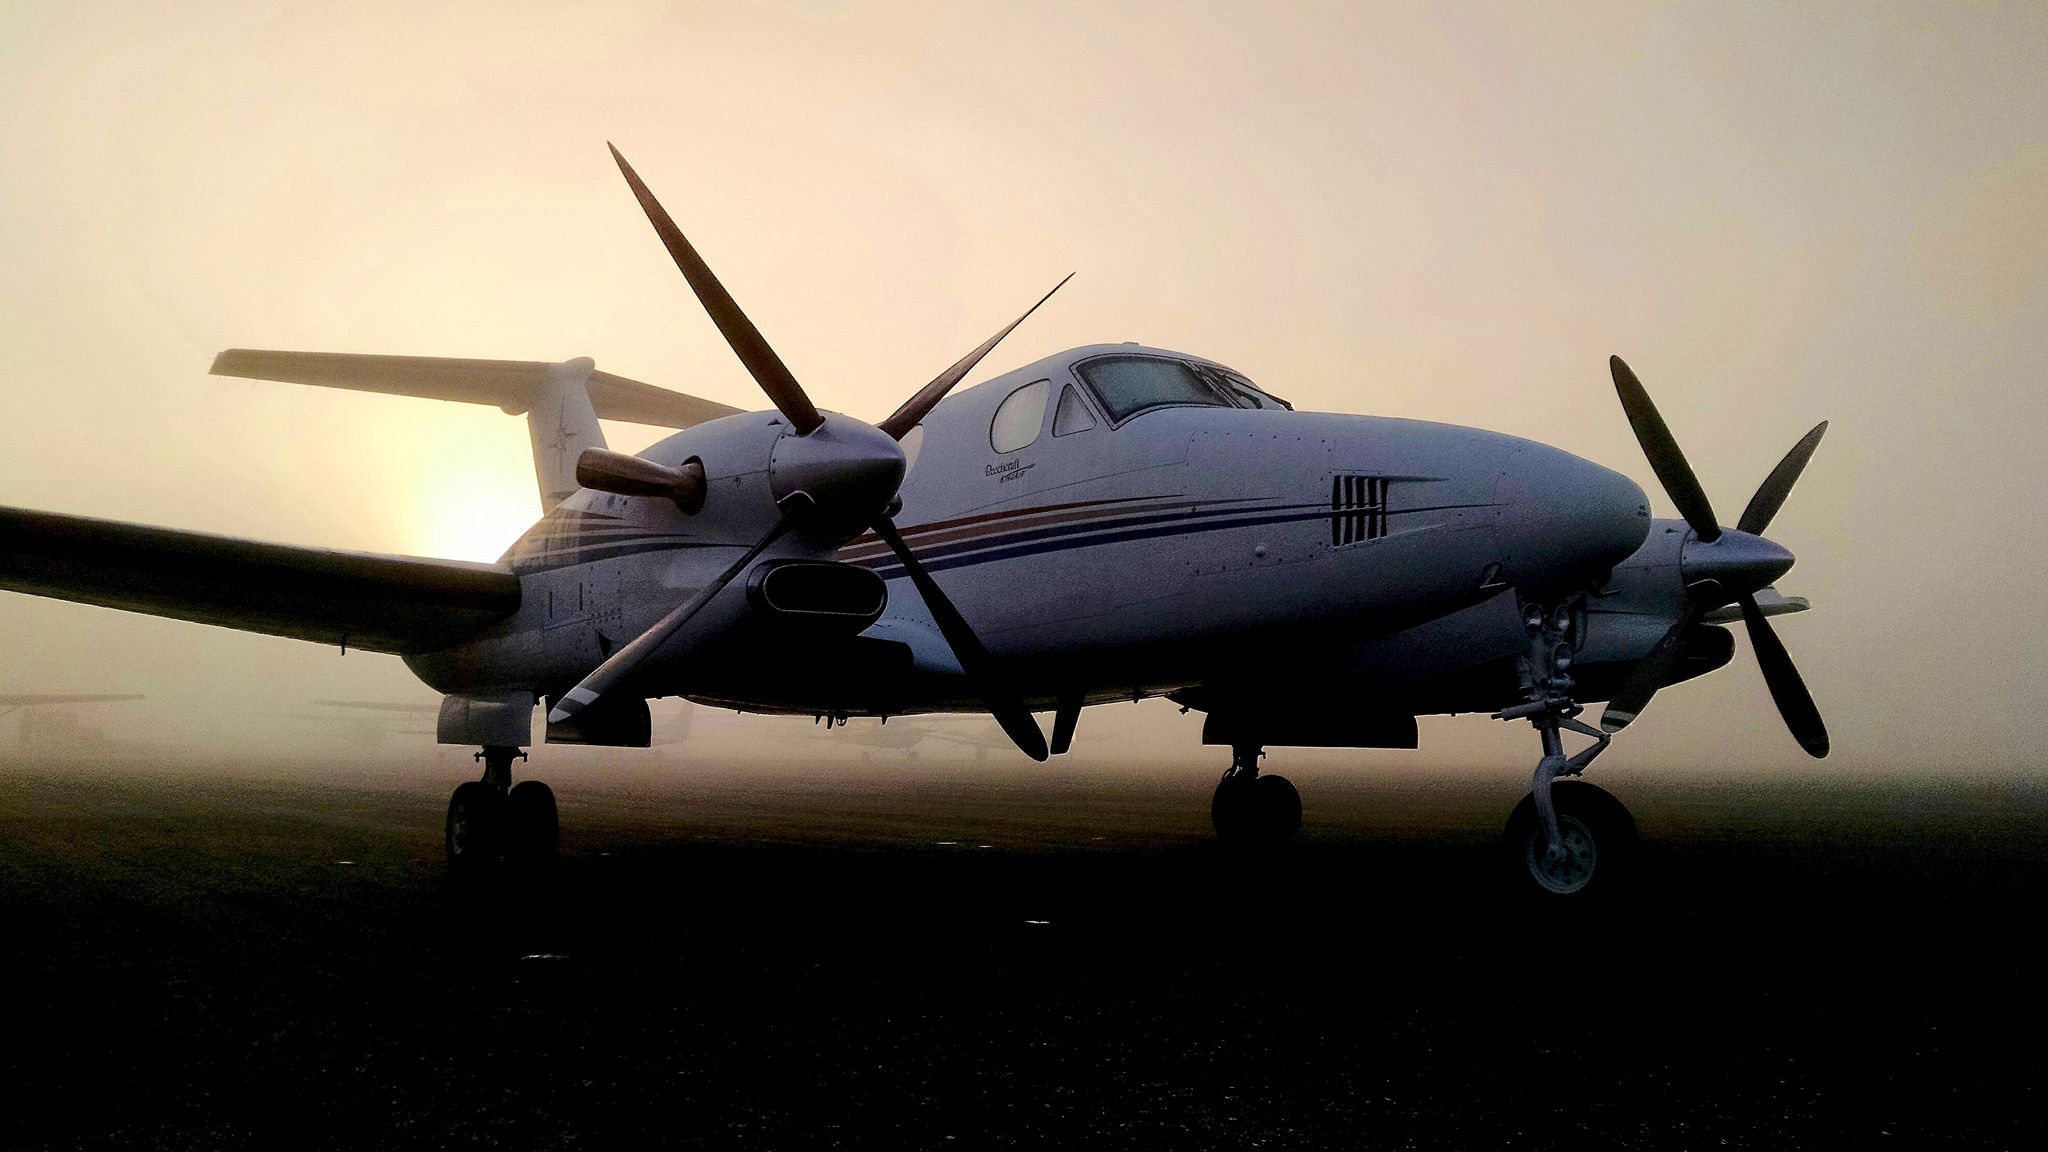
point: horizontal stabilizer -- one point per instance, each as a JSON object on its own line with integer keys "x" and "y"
{"x": 511, "y": 385}
{"x": 364, "y": 600}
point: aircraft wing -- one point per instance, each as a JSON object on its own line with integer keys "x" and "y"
{"x": 378, "y": 603}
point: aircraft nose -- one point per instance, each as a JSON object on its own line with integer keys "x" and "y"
{"x": 1564, "y": 521}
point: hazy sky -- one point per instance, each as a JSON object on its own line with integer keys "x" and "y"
{"x": 1778, "y": 214}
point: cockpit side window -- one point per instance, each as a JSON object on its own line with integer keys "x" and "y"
{"x": 1020, "y": 417}
{"x": 1128, "y": 385}
{"x": 1072, "y": 415}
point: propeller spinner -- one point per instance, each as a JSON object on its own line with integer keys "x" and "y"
{"x": 834, "y": 470}
{"x": 1718, "y": 566}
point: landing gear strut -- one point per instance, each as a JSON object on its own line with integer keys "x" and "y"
{"x": 1251, "y": 809}
{"x": 493, "y": 819}
{"x": 1562, "y": 839}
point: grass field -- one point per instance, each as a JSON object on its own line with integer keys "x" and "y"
{"x": 952, "y": 956}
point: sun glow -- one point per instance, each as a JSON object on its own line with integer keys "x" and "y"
{"x": 476, "y": 522}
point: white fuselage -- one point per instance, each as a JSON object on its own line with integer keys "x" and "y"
{"x": 1095, "y": 558}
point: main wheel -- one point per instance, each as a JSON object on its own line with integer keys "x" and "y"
{"x": 1279, "y": 808}
{"x": 1599, "y": 837}
{"x": 532, "y": 826}
{"x": 475, "y": 832}
{"x": 1258, "y": 811}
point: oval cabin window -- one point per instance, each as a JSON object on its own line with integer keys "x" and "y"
{"x": 1019, "y": 417}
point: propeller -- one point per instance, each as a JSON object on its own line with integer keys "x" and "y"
{"x": 1729, "y": 566}
{"x": 899, "y": 423}
{"x": 603, "y": 470}
{"x": 997, "y": 695}
{"x": 847, "y": 474}
{"x": 746, "y": 340}
{"x": 621, "y": 663}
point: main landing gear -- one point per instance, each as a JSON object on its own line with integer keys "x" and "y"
{"x": 493, "y": 819}
{"x": 1253, "y": 810}
{"x": 1566, "y": 838}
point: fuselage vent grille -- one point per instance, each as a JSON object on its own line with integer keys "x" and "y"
{"x": 1358, "y": 509}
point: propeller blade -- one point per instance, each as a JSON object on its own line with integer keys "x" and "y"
{"x": 621, "y": 664}
{"x": 1794, "y": 702}
{"x": 982, "y": 672}
{"x": 1770, "y": 495}
{"x": 746, "y": 340}
{"x": 901, "y": 421}
{"x": 1661, "y": 665}
{"x": 603, "y": 470}
{"x": 1662, "y": 450}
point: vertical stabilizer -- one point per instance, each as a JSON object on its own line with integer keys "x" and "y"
{"x": 562, "y": 423}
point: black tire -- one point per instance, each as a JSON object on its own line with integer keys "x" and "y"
{"x": 532, "y": 826}
{"x": 1230, "y": 808}
{"x": 1256, "y": 811}
{"x": 1279, "y": 808}
{"x": 1601, "y": 840}
{"x": 476, "y": 824}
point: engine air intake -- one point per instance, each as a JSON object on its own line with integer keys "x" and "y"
{"x": 813, "y": 592}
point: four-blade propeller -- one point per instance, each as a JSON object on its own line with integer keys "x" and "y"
{"x": 1733, "y": 565}
{"x": 853, "y": 472}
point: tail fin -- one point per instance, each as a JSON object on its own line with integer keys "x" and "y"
{"x": 563, "y": 402}
{"x": 562, "y": 422}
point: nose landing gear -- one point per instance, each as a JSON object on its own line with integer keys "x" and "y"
{"x": 492, "y": 819}
{"x": 1565, "y": 838}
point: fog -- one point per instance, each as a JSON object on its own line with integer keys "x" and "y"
{"x": 1777, "y": 214}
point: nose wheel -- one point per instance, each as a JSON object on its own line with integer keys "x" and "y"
{"x": 1596, "y": 843}
{"x": 1566, "y": 837}
{"x": 492, "y": 820}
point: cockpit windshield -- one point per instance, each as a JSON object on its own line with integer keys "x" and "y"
{"x": 1128, "y": 385}
{"x": 1247, "y": 394}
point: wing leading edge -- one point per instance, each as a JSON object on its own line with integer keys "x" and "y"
{"x": 379, "y": 603}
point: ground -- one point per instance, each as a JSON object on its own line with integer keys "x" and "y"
{"x": 954, "y": 956}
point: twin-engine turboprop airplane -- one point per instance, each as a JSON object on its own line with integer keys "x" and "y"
{"x": 1109, "y": 523}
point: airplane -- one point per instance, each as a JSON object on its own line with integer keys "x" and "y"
{"x": 69, "y": 735}
{"x": 1112, "y": 522}
{"x": 19, "y": 701}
